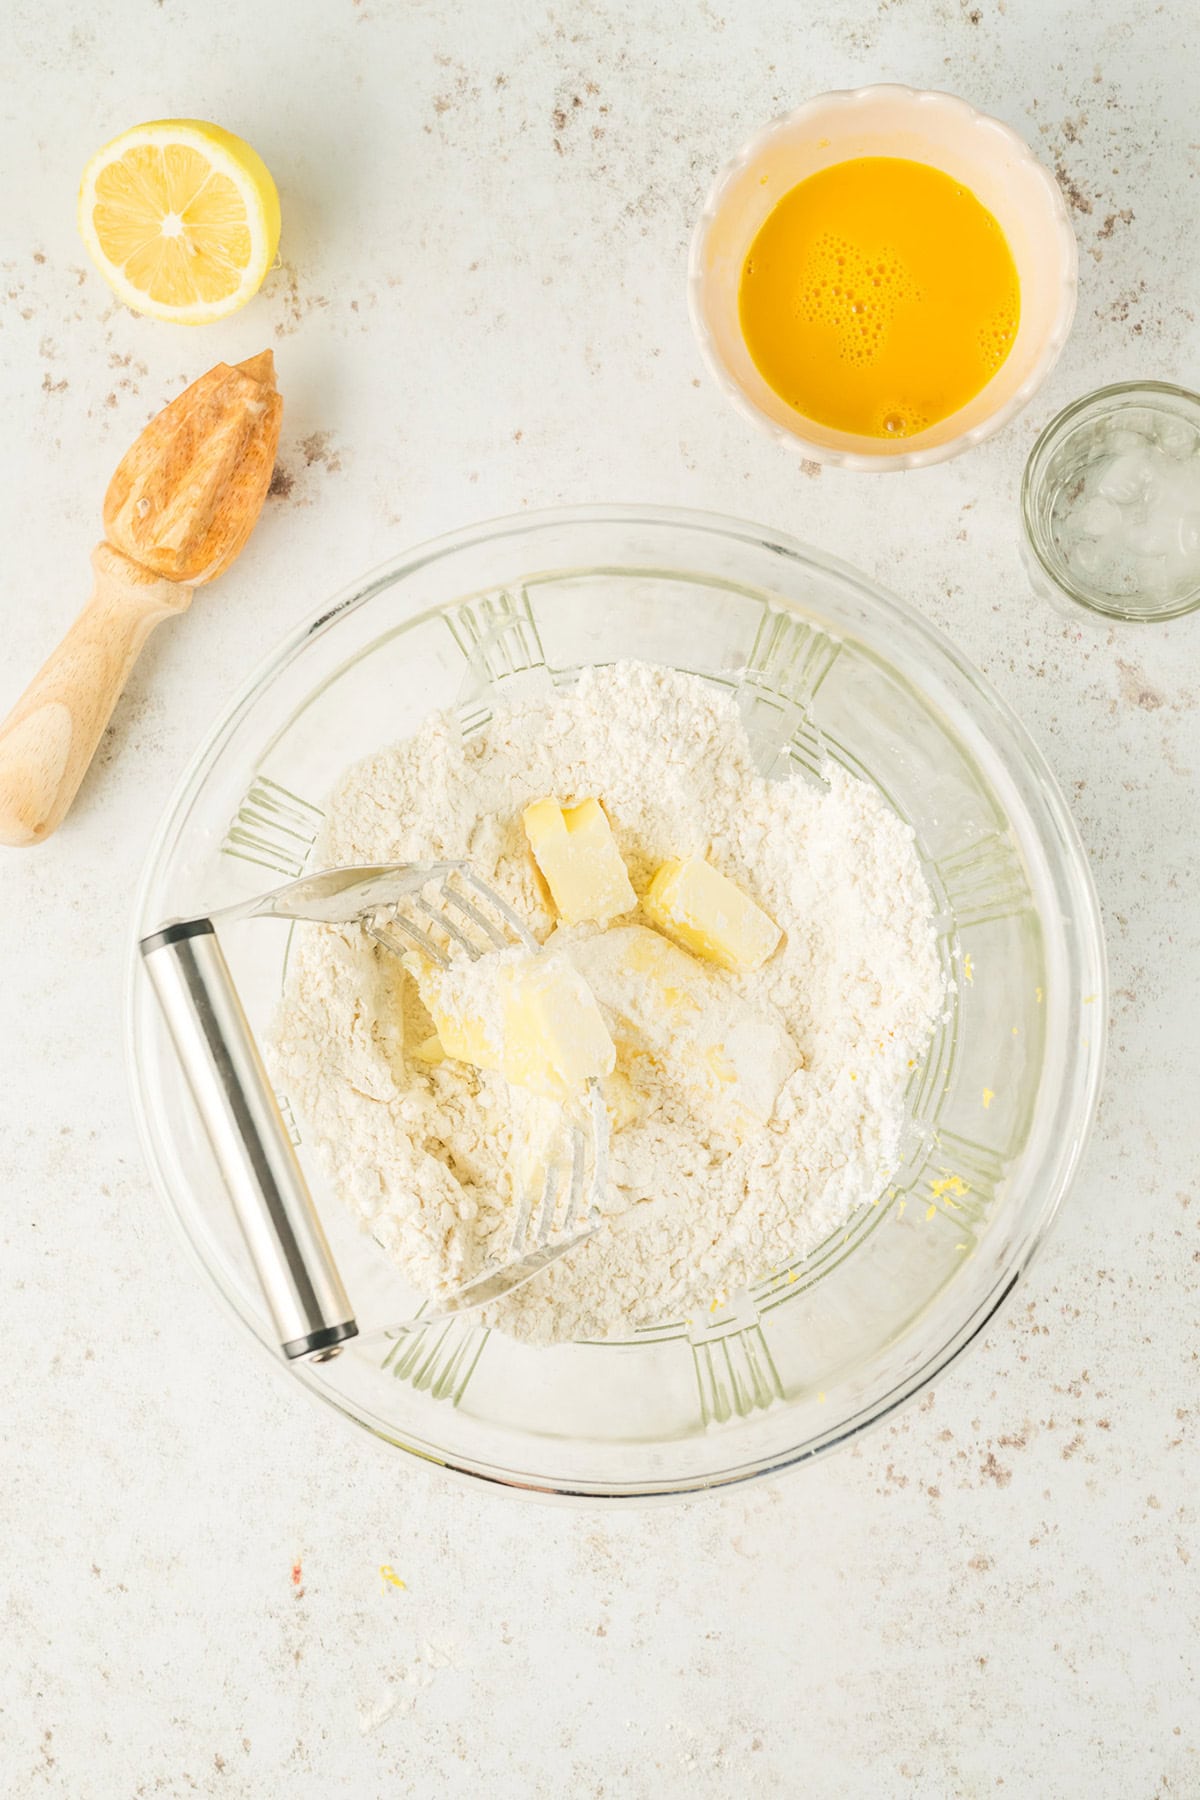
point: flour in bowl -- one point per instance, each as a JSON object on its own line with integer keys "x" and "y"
{"x": 831, "y": 1026}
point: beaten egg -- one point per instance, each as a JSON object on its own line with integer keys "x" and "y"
{"x": 879, "y": 296}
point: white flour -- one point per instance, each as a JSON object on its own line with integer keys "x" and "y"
{"x": 421, "y": 1153}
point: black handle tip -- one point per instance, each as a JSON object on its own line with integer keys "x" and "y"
{"x": 176, "y": 933}
{"x": 329, "y": 1339}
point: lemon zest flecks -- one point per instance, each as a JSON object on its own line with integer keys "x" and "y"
{"x": 968, "y": 968}
{"x": 792, "y": 1275}
{"x": 388, "y": 1575}
{"x": 988, "y": 1096}
{"x": 949, "y": 1187}
{"x": 900, "y": 1209}
{"x": 930, "y": 1212}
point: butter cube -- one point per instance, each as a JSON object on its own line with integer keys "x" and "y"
{"x": 677, "y": 1025}
{"x": 711, "y": 915}
{"x": 555, "y": 1039}
{"x": 624, "y": 1104}
{"x": 573, "y": 847}
{"x": 533, "y": 1020}
{"x": 464, "y": 1030}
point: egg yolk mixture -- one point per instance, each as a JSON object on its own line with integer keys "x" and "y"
{"x": 879, "y": 296}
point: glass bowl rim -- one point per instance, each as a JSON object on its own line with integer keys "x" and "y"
{"x": 1079, "y": 1092}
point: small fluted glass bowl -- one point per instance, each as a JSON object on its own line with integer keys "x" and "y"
{"x": 1110, "y": 503}
{"x": 927, "y": 127}
{"x": 824, "y": 665}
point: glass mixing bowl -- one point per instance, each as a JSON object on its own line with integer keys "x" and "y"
{"x": 824, "y": 666}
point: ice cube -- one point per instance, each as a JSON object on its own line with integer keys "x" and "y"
{"x": 1153, "y": 579}
{"x": 1127, "y": 477}
{"x": 1154, "y": 535}
{"x": 1095, "y": 518}
{"x": 1180, "y": 484}
{"x": 1087, "y": 558}
{"x": 1141, "y": 420}
{"x": 1176, "y": 437}
{"x": 1120, "y": 440}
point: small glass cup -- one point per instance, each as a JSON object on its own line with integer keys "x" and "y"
{"x": 1110, "y": 502}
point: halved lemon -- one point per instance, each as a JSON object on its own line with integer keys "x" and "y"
{"x": 181, "y": 219}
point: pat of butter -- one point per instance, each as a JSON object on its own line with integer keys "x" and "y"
{"x": 574, "y": 848}
{"x": 625, "y": 1106}
{"x": 555, "y": 1039}
{"x": 533, "y": 1020}
{"x": 462, "y": 1030}
{"x": 711, "y": 915}
{"x": 677, "y": 1023}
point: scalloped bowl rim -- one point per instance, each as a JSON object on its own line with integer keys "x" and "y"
{"x": 844, "y": 99}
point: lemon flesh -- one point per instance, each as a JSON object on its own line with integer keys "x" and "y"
{"x": 181, "y": 218}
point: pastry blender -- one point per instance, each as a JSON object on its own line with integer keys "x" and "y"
{"x": 440, "y": 909}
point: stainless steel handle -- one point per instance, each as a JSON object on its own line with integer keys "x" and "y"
{"x": 225, "y": 1072}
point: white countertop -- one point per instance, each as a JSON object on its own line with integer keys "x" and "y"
{"x": 482, "y": 309}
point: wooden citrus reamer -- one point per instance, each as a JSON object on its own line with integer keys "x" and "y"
{"x": 179, "y": 509}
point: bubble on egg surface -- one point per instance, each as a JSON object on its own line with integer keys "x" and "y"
{"x": 853, "y": 294}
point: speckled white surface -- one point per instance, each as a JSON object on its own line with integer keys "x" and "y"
{"x": 482, "y": 308}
